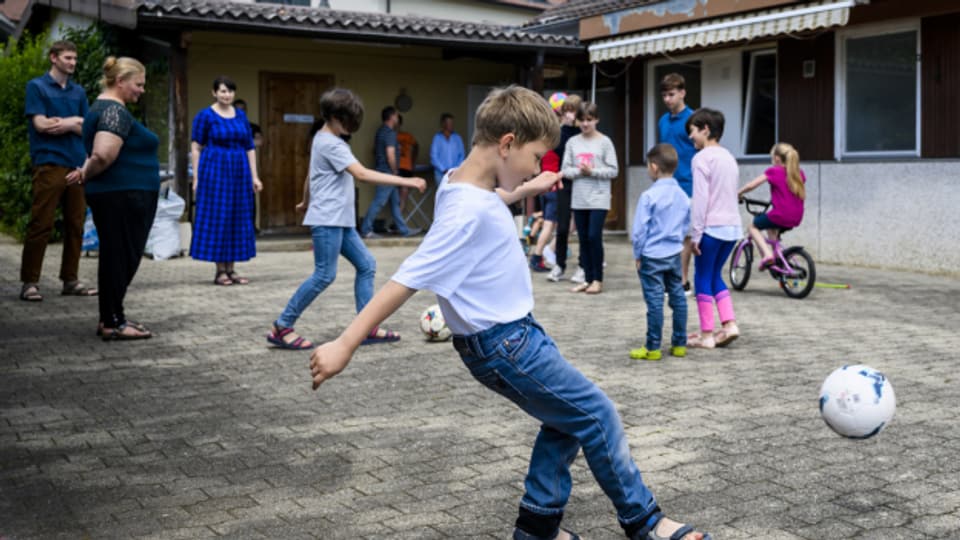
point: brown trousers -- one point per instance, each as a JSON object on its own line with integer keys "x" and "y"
{"x": 49, "y": 190}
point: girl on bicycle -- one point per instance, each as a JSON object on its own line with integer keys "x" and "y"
{"x": 714, "y": 226}
{"x": 787, "y": 193}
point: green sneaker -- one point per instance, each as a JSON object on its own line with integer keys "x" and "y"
{"x": 643, "y": 354}
{"x": 679, "y": 351}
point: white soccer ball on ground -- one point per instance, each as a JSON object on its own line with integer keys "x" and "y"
{"x": 857, "y": 402}
{"x": 433, "y": 326}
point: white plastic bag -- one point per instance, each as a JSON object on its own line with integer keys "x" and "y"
{"x": 163, "y": 241}
{"x": 91, "y": 242}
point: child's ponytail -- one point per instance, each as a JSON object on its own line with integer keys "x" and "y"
{"x": 791, "y": 160}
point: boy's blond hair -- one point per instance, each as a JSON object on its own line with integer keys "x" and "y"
{"x": 571, "y": 104}
{"x": 516, "y": 110}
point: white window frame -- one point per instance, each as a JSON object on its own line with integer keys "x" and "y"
{"x": 745, "y": 126}
{"x": 653, "y": 89}
{"x": 840, "y": 94}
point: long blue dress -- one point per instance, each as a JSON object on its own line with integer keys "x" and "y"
{"x": 223, "y": 227}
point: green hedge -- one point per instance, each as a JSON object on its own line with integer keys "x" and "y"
{"x": 20, "y": 61}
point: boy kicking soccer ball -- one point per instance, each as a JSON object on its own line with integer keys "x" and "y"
{"x": 472, "y": 261}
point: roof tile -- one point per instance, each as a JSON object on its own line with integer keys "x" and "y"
{"x": 320, "y": 19}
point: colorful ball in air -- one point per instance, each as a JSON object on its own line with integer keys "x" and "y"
{"x": 556, "y": 100}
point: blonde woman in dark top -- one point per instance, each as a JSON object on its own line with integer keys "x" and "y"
{"x": 121, "y": 177}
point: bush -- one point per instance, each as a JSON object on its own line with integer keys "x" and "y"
{"x": 20, "y": 61}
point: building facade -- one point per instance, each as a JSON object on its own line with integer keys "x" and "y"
{"x": 868, "y": 92}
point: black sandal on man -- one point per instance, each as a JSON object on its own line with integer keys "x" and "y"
{"x": 30, "y": 293}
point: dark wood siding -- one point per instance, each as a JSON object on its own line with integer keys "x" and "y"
{"x": 805, "y": 106}
{"x": 940, "y": 86}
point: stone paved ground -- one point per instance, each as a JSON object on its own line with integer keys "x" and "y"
{"x": 205, "y": 432}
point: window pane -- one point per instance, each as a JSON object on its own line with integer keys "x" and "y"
{"x": 882, "y": 93}
{"x": 761, "y": 112}
{"x": 691, "y": 75}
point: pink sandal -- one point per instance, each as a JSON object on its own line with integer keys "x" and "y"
{"x": 375, "y": 337}
{"x": 276, "y": 336}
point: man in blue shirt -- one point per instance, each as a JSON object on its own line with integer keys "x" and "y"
{"x": 672, "y": 128}
{"x": 446, "y": 151}
{"x": 659, "y": 226}
{"x": 55, "y": 107}
{"x": 386, "y": 161}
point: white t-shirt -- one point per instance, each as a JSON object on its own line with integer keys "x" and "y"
{"x": 331, "y": 186}
{"x": 472, "y": 260}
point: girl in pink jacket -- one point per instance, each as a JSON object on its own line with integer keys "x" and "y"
{"x": 714, "y": 226}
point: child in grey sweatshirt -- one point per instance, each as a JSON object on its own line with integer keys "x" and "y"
{"x": 590, "y": 162}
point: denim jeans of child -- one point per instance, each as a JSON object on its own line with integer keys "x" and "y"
{"x": 381, "y": 197}
{"x": 328, "y": 244}
{"x": 590, "y": 234}
{"x": 657, "y": 276}
{"x": 520, "y": 362}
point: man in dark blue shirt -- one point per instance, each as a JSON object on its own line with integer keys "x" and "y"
{"x": 673, "y": 130}
{"x": 386, "y": 161}
{"x": 54, "y": 108}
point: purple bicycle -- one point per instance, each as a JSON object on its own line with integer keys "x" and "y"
{"x": 793, "y": 267}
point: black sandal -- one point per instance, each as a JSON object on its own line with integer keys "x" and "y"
{"x": 116, "y": 334}
{"x": 236, "y": 278}
{"x": 30, "y": 293}
{"x": 222, "y": 278}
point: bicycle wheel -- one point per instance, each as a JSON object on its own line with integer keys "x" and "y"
{"x": 740, "y": 264}
{"x": 800, "y": 280}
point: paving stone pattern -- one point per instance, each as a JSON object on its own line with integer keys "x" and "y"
{"x": 204, "y": 431}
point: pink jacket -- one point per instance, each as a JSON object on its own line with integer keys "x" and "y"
{"x": 716, "y": 176}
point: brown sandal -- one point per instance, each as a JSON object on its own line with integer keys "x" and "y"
{"x": 77, "y": 288}
{"x": 222, "y": 278}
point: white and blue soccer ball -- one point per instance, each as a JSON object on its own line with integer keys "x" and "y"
{"x": 433, "y": 325}
{"x": 857, "y": 402}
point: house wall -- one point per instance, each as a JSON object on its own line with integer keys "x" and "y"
{"x": 376, "y": 73}
{"x": 893, "y": 214}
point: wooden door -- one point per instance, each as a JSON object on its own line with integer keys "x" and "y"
{"x": 289, "y": 103}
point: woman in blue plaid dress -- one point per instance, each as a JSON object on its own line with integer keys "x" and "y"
{"x": 224, "y": 181}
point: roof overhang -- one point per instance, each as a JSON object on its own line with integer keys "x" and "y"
{"x": 742, "y": 27}
{"x": 270, "y": 18}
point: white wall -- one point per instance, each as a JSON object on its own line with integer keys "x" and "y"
{"x": 898, "y": 215}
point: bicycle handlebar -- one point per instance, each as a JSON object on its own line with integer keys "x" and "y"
{"x": 750, "y": 203}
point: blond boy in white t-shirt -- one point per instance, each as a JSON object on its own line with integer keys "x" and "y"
{"x": 471, "y": 259}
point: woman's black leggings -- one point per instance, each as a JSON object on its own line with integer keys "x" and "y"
{"x": 123, "y": 220}
{"x": 563, "y": 223}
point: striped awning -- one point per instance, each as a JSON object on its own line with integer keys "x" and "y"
{"x": 760, "y": 24}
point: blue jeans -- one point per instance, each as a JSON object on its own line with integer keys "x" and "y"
{"x": 520, "y": 362}
{"x": 657, "y": 276}
{"x": 380, "y": 198}
{"x": 590, "y": 233}
{"x": 328, "y": 244}
{"x": 708, "y": 266}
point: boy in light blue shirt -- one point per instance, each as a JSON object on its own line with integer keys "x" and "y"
{"x": 659, "y": 226}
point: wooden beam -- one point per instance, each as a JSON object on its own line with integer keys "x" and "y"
{"x": 181, "y": 135}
